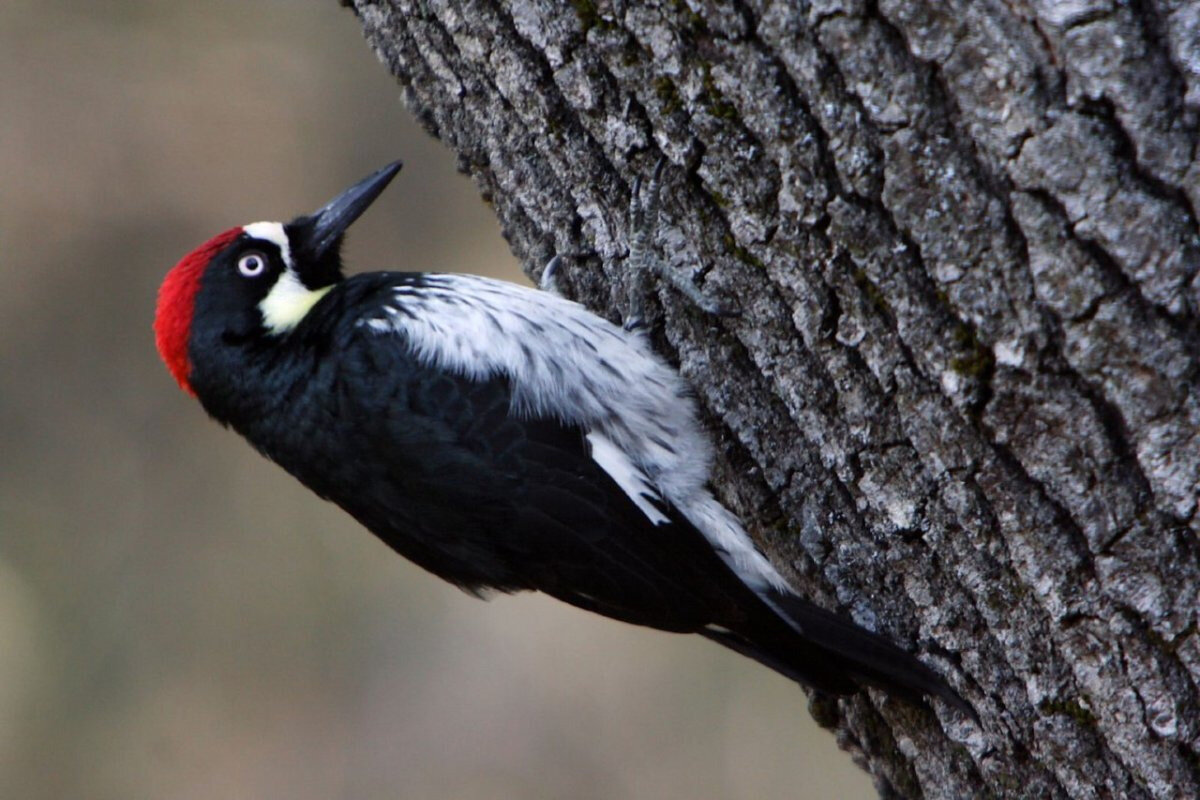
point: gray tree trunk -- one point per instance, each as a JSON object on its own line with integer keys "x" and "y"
{"x": 962, "y": 401}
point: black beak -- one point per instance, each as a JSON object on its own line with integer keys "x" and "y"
{"x": 323, "y": 229}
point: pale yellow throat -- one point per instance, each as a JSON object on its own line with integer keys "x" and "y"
{"x": 288, "y": 302}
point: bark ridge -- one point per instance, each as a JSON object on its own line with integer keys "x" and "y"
{"x": 962, "y": 400}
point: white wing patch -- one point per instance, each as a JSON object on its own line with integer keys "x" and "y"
{"x": 567, "y": 363}
{"x": 632, "y": 481}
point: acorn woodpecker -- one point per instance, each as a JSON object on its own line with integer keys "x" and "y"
{"x": 501, "y": 437}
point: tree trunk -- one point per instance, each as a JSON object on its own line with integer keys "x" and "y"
{"x": 962, "y": 401}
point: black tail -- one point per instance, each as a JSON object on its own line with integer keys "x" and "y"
{"x": 830, "y": 653}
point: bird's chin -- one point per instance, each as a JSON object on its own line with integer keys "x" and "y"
{"x": 244, "y": 332}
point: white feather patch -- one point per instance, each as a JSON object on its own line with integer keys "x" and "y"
{"x": 288, "y": 302}
{"x": 632, "y": 481}
{"x": 725, "y": 532}
{"x": 567, "y": 363}
{"x": 274, "y": 233}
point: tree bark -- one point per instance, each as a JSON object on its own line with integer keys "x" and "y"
{"x": 962, "y": 401}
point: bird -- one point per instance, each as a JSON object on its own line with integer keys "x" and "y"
{"x": 501, "y": 437}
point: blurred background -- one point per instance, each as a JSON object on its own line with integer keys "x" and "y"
{"x": 180, "y": 619}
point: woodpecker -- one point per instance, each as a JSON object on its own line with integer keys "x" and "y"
{"x": 501, "y": 437}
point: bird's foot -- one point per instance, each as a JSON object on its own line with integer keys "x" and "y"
{"x": 642, "y": 259}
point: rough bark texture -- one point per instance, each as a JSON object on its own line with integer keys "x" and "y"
{"x": 962, "y": 401}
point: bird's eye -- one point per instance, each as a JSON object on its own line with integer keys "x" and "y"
{"x": 252, "y": 265}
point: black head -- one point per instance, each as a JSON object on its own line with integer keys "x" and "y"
{"x": 256, "y": 282}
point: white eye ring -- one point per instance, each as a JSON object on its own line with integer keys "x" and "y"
{"x": 252, "y": 264}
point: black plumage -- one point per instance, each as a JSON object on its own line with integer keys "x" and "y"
{"x": 452, "y": 469}
{"x": 441, "y": 470}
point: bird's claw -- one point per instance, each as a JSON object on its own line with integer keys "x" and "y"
{"x": 643, "y": 220}
{"x": 549, "y": 280}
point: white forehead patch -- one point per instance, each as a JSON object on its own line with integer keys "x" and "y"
{"x": 274, "y": 233}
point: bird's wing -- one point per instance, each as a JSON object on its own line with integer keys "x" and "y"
{"x": 493, "y": 496}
